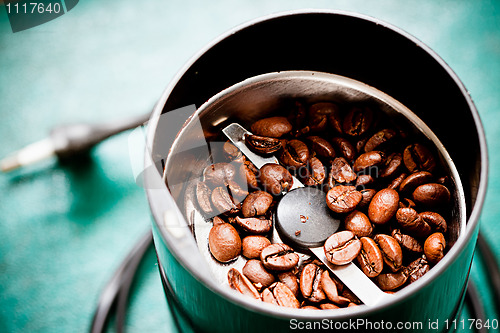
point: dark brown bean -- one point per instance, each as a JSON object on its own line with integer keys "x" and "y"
{"x": 257, "y": 273}
{"x": 217, "y": 220}
{"x": 417, "y": 157}
{"x": 223, "y": 202}
{"x": 368, "y": 195}
{"x": 275, "y": 179}
{"x": 391, "y": 251}
{"x": 342, "y": 247}
{"x": 435, "y": 220}
{"x": 343, "y": 199}
{"x": 237, "y": 192}
{"x": 341, "y": 171}
{"x": 434, "y": 247}
{"x": 414, "y": 180}
{"x": 274, "y": 127}
{"x": 394, "y": 185}
{"x": 407, "y": 242}
{"x": 294, "y": 153}
{"x": 256, "y": 203}
{"x": 367, "y": 160}
{"x": 321, "y": 147}
{"x": 315, "y": 173}
{"x": 224, "y": 242}
{"x": 350, "y": 296}
{"x": 279, "y": 257}
{"x": 379, "y": 140}
{"x": 417, "y": 269}
{"x": 309, "y": 307}
{"x": 391, "y": 281}
{"x": 391, "y": 165}
{"x": 360, "y": 145}
{"x": 431, "y": 195}
{"x": 383, "y": 206}
{"x": 232, "y": 152}
{"x": 406, "y": 203}
{"x": 344, "y": 148}
{"x": 328, "y": 306}
{"x": 241, "y": 283}
{"x": 254, "y": 225}
{"x": 319, "y": 114}
{"x": 358, "y": 223}
{"x": 335, "y": 120}
{"x": 219, "y": 173}
{"x": 310, "y": 287}
{"x": 370, "y": 257}
{"x": 357, "y": 121}
{"x": 410, "y": 221}
{"x": 364, "y": 180}
{"x": 252, "y": 246}
{"x": 248, "y": 173}
{"x": 203, "y": 195}
{"x": 263, "y": 144}
{"x": 329, "y": 288}
{"x": 284, "y": 296}
{"x": 290, "y": 280}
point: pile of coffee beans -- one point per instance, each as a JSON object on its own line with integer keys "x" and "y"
{"x": 385, "y": 183}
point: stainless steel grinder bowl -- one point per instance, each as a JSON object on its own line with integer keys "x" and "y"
{"x": 402, "y": 68}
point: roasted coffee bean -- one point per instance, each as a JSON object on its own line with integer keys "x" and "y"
{"x": 319, "y": 115}
{"x": 341, "y": 171}
{"x": 217, "y": 220}
{"x": 257, "y": 273}
{"x": 391, "y": 281}
{"x": 268, "y": 297}
{"x": 321, "y": 147}
{"x": 383, "y": 206}
{"x": 329, "y": 288}
{"x": 394, "y": 185}
{"x": 391, "y": 251}
{"x": 253, "y": 245}
{"x": 232, "y": 152}
{"x": 350, "y": 296}
{"x": 342, "y": 247}
{"x": 279, "y": 257}
{"x": 431, "y": 195}
{"x": 223, "y": 202}
{"x": 357, "y": 121}
{"x": 224, "y": 242}
{"x": 391, "y": 165}
{"x": 241, "y": 283}
{"x": 370, "y": 257}
{"x": 417, "y": 157}
{"x": 343, "y": 199}
{"x": 434, "y": 247}
{"x": 410, "y": 221}
{"x": 435, "y": 220}
{"x": 335, "y": 120}
{"x": 328, "y": 306}
{"x": 294, "y": 153}
{"x": 254, "y": 225}
{"x": 310, "y": 283}
{"x": 406, "y": 203}
{"x": 380, "y": 140}
{"x": 237, "y": 192}
{"x": 284, "y": 296}
{"x": 414, "y": 180}
{"x": 407, "y": 242}
{"x": 360, "y": 145}
{"x": 358, "y": 223}
{"x": 298, "y": 115}
{"x": 248, "y": 173}
{"x": 256, "y": 203}
{"x": 203, "y": 195}
{"x": 352, "y": 305}
{"x": 274, "y": 127}
{"x": 364, "y": 180}
{"x": 344, "y": 148}
{"x": 368, "y": 195}
{"x": 315, "y": 173}
{"x": 417, "y": 269}
{"x": 263, "y": 144}
{"x": 275, "y": 179}
{"x": 290, "y": 280}
{"x": 219, "y": 173}
{"x": 309, "y": 307}
{"x": 367, "y": 160}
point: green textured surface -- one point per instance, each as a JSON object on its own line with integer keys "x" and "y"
{"x": 66, "y": 229}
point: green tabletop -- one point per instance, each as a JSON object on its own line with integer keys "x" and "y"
{"x": 65, "y": 228}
